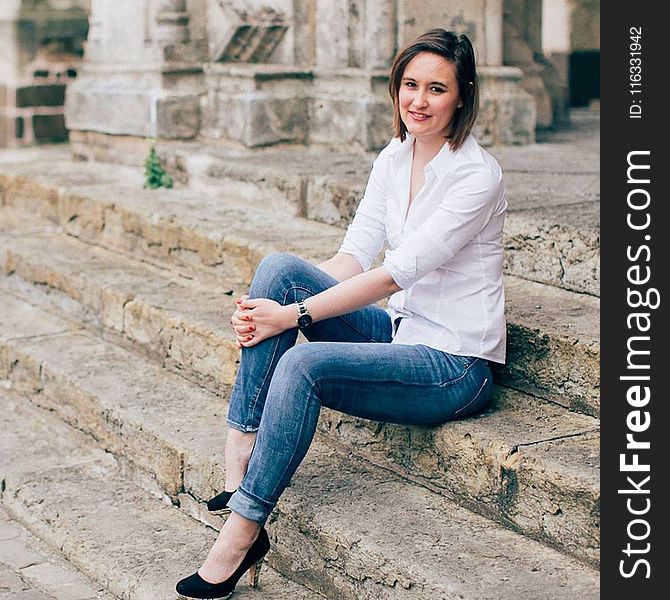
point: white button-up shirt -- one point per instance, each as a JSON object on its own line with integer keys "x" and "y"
{"x": 446, "y": 253}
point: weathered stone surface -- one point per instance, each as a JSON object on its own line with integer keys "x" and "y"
{"x": 95, "y": 387}
{"x": 553, "y": 349}
{"x": 554, "y": 240}
{"x": 19, "y": 555}
{"x": 542, "y": 245}
{"x": 507, "y": 114}
{"x": 553, "y": 345}
{"x": 20, "y": 320}
{"x": 181, "y": 322}
{"x": 177, "y": 225}
{"x": 98, "y": 388}
{"x": 113, "y": 531}
{"x": 177, "y": 117}
{"x": 322, "y": 533}
{"x": 515, "y": 456}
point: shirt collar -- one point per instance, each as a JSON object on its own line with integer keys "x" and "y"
{"x": 440, "y": 165}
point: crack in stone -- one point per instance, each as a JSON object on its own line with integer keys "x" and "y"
{"x": 560, "y": 437}
{"x": 38, "y": 336}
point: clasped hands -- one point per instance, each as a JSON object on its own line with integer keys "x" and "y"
{"x": 258, "y": 319}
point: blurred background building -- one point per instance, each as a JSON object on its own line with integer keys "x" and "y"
{"x": 262, "y": 72}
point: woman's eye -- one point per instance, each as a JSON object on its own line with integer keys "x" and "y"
{"x": 437, "y": 90}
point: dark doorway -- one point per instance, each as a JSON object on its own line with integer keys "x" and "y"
{"x": 584, "y": 77}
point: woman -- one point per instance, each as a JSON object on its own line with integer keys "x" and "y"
{"x": 437, "y": 198}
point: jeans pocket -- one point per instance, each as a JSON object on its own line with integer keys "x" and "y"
{"x": 466, "y": 361}
{"x": 478, "y": 402}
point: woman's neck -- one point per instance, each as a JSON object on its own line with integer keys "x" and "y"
{"x": 426, "y": 150}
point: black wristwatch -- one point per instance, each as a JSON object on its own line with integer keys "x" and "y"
{"x": 304, "y": 319}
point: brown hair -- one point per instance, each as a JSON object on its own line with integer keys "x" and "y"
{"x": 458, "y": 50}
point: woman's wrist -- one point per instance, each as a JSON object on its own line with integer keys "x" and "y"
{"x": 290, "y": 315}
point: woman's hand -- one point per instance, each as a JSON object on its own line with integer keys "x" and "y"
{"x": 258, "y": 319}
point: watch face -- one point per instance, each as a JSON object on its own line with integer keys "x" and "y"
{"x": 304, "y": 321}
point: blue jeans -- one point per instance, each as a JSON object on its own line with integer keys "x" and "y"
{"x": 350, "y": 366}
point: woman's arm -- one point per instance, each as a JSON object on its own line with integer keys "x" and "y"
{"x": 269, "y": 318}
{"x": 341, "y": 266}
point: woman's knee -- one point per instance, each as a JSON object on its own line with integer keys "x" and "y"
{"x": 275, "y": 273}
{"x": 298, "y": 371}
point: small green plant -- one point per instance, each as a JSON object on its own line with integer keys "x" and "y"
{"x": 155, "y": 176}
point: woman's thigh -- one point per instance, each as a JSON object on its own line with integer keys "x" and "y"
{"x": 398, "y": 383}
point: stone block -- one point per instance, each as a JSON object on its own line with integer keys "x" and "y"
{"x": 378, "y": 124}
{"x": 337, "y": 121}
{"x": 49, "y": 128}
{"x": 18, "y": 554}
{"x": 113, "y": 107}
{"x": 48, "y": 94}
{"x": 256, "y": 119}
{"x": 249, "y": 34}
{"x": 178, "y": 117}
{"x": 333, "y": 201}
{"x": 507, "y": 113}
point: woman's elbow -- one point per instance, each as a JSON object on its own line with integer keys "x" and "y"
{"x": 391, "y": 284}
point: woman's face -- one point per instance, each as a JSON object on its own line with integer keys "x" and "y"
{"x": 428, "y": 96}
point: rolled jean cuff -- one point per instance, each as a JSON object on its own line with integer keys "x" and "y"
{"x": 240, "y": 427}
{"x": 250, "y": 507}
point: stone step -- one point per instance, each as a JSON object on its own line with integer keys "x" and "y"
{"x": 177, "y": 319}
{"x": 530, "y": 465}
{"x": 550, "y": 236}
{"x": 552, "y": 232}
{"x": 31, "y": 570}
{"x": 75, "y": 497}
{"x": 337, "y": 530}
{"x": 554, "y": 348}
{"x": 107, "y": 203}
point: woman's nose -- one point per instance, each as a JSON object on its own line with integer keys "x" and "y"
{"x": 420, "y": 99}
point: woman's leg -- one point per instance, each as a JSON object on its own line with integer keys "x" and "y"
{"x": 411, "y": 384}
{"x": 285, "y": 279}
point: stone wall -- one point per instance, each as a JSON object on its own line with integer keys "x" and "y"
{"x": 41, "y": 42}
{"x": 262, "y": 72}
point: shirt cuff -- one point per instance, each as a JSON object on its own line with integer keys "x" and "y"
{"x": 402, "y": 268}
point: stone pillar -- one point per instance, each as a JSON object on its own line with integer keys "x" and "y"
{"x": 523, "y": 49}
{"x": 40, "y": 44}
{"x": 141, "y": 78}
{"x": 584, "y": 52}
{"x": 556, "y": 50}
{"x": 333, "y": 94}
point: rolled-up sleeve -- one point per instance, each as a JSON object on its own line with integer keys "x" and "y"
{"x": 472, "y": 199}
{"x": 366, "y": 234}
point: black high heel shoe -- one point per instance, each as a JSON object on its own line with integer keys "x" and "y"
{"x": 195, "y": 586}
{"x": 219, "y": 504}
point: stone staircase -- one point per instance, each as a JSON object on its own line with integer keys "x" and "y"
{"x": 117, "y": 360}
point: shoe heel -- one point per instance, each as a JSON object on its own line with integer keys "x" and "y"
{"x": 255, "y": 573}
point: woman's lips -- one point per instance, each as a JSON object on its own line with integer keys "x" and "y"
{"x": 419, "y": 116}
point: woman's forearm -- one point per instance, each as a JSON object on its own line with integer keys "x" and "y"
{"x": 352, "y": 294}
